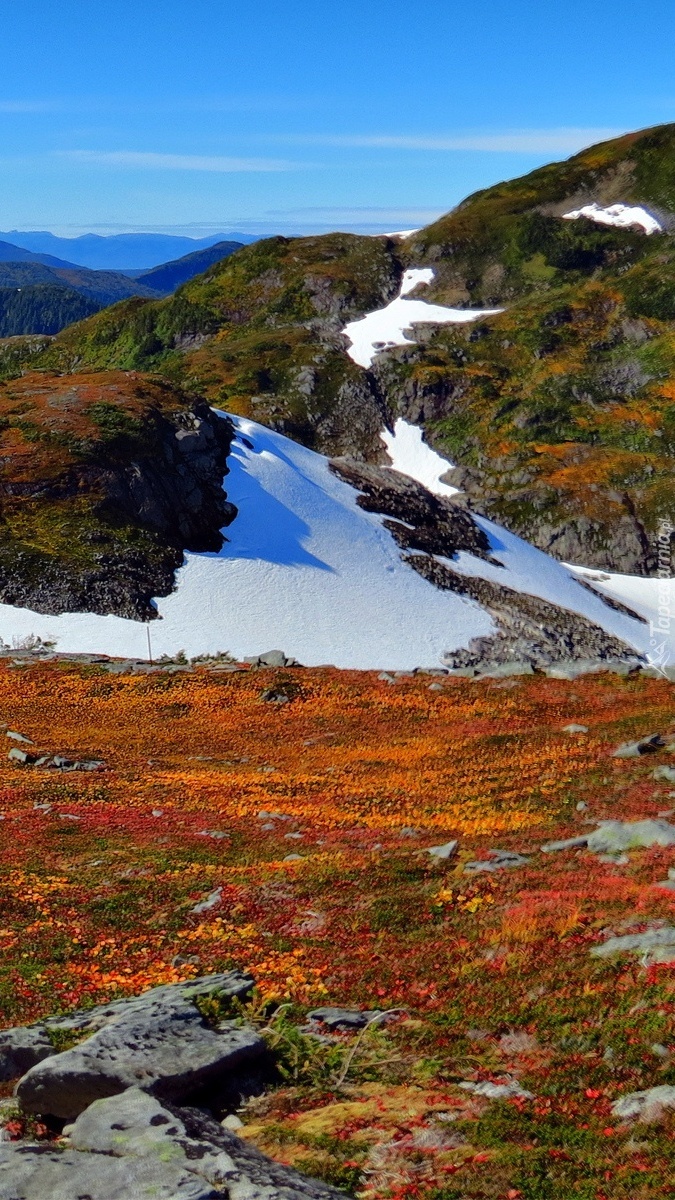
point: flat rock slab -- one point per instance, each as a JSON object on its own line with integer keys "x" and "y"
{"x": 343, "y": 1018}
{"x": 645, "y": 1106}
{"x": 41, "y": 1173}
{"x": 654, "y": 945}
{"x": 613, "y": 837}
{"x": 131, "y": 1146}
{"x": 499, "y": 860}
{"x": 24, "y": 1046}
{"x": 158, "y": 1041}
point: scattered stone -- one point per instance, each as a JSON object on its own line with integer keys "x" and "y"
{"x": 19, "y": 737}
{"x": 613, "y": 837}
{"x": 666, "y": 774}
{"x": 656, "y": 944}
{"x": 276, "y": 696}
{"x": 565, "y": 844}
{"x": 572, "y": 728}
{"x": 343, "y": 1018}
{"x": 211, "y": 901}
{"x": 385, "y": 677}
{"x": 292, "y": 858}
{"x": 435, "y": 687}
{"x": 443, "y": 852}
{"x": 271, "y": 658}
{"x": 647, "y": 1107}
{"x": 581, "y": 806}
{"x": 503, "y": 1090}
{"x": 430, "y": 671}
{"x": 506, "y": 669}
{"x": 216, "y": 834}
{"x": 296, "y": 836}
{"x": 499, "y": 860}
{"x": 648, "y": 745}
{"x": 158, "y": 1041}
{"x": 232, "y": 1122}
{"x": 22, "y": 757}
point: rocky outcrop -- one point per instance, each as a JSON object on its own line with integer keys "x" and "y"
{"x": 160, "y": 1042}
{"x": 138, "y": 1058}
{"x": 133, "y": 1145}
{"x": 125, "y": 476}
{"x": 422, "y": 521}
{"x": 531, "y": 630}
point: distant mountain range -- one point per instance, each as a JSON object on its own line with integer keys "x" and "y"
{"x": 166, "y": 278}
{"x": 40, "y": 294}
{"x": 119, "y": 251}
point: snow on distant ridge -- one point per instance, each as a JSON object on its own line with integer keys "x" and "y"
{"x": 621, "y": 215}
{"x": 387, "y": 327}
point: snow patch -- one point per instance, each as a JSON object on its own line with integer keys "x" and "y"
{"x": 387, "y": 327}
{"x": 308, "y": 570}
{"x": 410, "y": 454}
{"x": 621, "y": 215}
{"x": 653, "y": 599}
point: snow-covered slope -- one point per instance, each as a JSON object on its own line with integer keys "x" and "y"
{"x": 305, "y": 570}
{"x": 308, "y": 571}
{"x": 624, "y": 216}
{"x": 529, "y": 570}
{"x": 390, "y": 326}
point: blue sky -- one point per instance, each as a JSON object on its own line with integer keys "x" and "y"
{"x": 301, "y": 115}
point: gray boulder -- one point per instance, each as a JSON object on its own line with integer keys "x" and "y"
{"x": 647, "y": 745}
{"x": 22, "y": 1048}
{"x": 158, "y": 1041}
{"x": 131, "y": 1146}
{"x": 499, "y": 860}
{"x": 447, "y": 850}
{"x": 613, "y": 837}
{"x": 656, "y": 944}
{"x": 29, "y": 1172}
{"x": 645, "y": 1106}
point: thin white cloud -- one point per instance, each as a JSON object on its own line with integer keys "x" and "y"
{"x": 521, "y": 141}
{"x": 28, "y": 106}
{"x": 149, "y": 161}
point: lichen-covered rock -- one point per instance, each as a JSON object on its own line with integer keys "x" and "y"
{"x": 647, "y": 1106}
{"x": 132, "y": 1147}
{"x": 656, "y": 944}
{"x": 158, "y": 1041}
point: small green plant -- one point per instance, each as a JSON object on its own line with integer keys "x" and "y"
{"x": 65, "y": 1039}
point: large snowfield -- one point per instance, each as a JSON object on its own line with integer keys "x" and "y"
{"x": 307, "y": 571}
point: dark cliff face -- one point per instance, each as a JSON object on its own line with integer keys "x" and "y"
{"x": 105, "y": 481}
